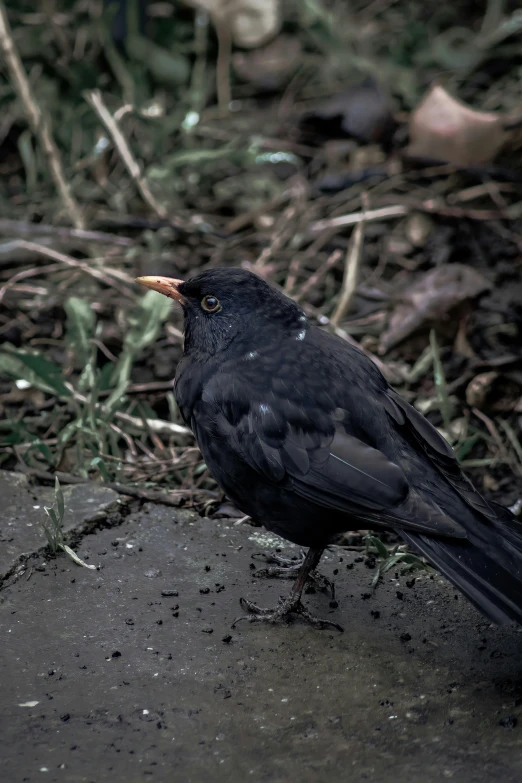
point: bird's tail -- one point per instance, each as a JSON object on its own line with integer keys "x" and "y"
{"x": 487, "y": 569}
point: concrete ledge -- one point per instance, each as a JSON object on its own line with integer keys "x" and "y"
{"x": 132, "y": 672}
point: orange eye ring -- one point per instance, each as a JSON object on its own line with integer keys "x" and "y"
{"x": 210, "y": 304}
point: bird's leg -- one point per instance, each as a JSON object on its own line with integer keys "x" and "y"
{"x": 291, "y": 606}
{"x": 289, "y": 567}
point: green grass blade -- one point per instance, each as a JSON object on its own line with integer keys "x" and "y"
{"x": 72, "y": 554}
{"x": 36, "y": 370}
{"x": 81, "y": 323}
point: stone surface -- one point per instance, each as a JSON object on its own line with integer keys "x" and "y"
{"x": 132, "y": 673}
{"x": 21, "y": 533}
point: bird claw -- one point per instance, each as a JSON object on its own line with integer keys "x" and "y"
{"x": 281, "y": 560}
{"x": 283, "y": 613}
{"x": 288, "y": 568}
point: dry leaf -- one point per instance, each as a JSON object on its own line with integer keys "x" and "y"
{"x": 443, "y": 129}
{"x": 430, "y": 298}
{"x": 479, "y": 389}
{"x": 493, "y": 391}
{"x": 270, "y": 66}
{"x": 252, "y": 22}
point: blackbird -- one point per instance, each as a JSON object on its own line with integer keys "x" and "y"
{"x": 302, "y": 431}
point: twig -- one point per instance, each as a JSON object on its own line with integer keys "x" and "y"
{"x": 432, "y": 206}
{"x": 317, "y": 275}
{"x": 493, "y": 432}
{"x": 38, "y": 122}
{"x": 95, "y": 99}
{"x": 396, "y": 210}
{"x": 514, "y": 442}
{"x": 158, "y": 426}
{"x": 399, "y": 210}
{"x": 291, "y": 277}
{"x": 20, "y": 227}
{"x": 25, "y": 273}
{"x": 72, "y": 262}
{"x": 173, "y": 499}
{"x": 285, "y": 227}
{"x": 351, "y": 273}
{"x": 224, "y": 37}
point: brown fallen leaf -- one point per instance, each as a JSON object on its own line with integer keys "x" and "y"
{"x": 479, "y": 389}
{"x": 444, "y": 129}
{"x": 493, "y": 391}
{"x": 269, "y": 67}
{"x": 430, "y": 298}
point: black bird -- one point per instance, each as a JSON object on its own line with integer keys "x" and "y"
{"x": 303, "y": 433}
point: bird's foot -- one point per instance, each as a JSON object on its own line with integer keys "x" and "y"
{"x": 281, "y": 567}
{"x": 287, "y": 609}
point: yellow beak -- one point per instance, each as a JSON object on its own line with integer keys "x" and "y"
{"x": 163, "y": 285}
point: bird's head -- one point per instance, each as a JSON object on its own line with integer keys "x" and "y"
{"x": 226, "y": 304}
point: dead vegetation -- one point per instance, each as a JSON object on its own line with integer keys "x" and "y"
{"x": 363, "y": 156}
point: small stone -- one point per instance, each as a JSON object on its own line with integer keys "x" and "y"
{"x": 168, "y": 593}
{"x": 508, "y": 722}
{"x": 227, "y": 639}
{"x": 152, "y": 573}
{"x": 116, "y": 654}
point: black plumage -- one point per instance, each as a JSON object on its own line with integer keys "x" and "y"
{"x": 303, "y": 433}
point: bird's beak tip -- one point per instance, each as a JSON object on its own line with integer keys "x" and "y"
{"x": 168, "y": 286}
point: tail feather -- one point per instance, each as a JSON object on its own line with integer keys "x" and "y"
{"x": 487, "y": 569}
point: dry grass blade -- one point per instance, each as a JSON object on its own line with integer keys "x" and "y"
{"x": 20, "y": 228}
{"x": 351, "y": 273}
{"x": 108, "y": 276}
{"x": 37, "y": 120}
{"x": 512, "y": 437}
{"x": 384, "y": 213}
{"x": 317, "y": 277}
{"x": 157, "y": 426}
{"x": 95, "y": 99}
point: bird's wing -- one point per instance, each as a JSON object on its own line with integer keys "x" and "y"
{"x": 307, "y": 451}
{"x": 360, "y": 480}
{"x": 410, "y": 421}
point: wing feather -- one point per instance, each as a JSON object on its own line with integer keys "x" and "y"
{"x": 439, "y": 451}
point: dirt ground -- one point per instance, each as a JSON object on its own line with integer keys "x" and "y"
{"x": 132, "y": 672}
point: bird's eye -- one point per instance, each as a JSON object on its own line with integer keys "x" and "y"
{"x": 210, "y": 304}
